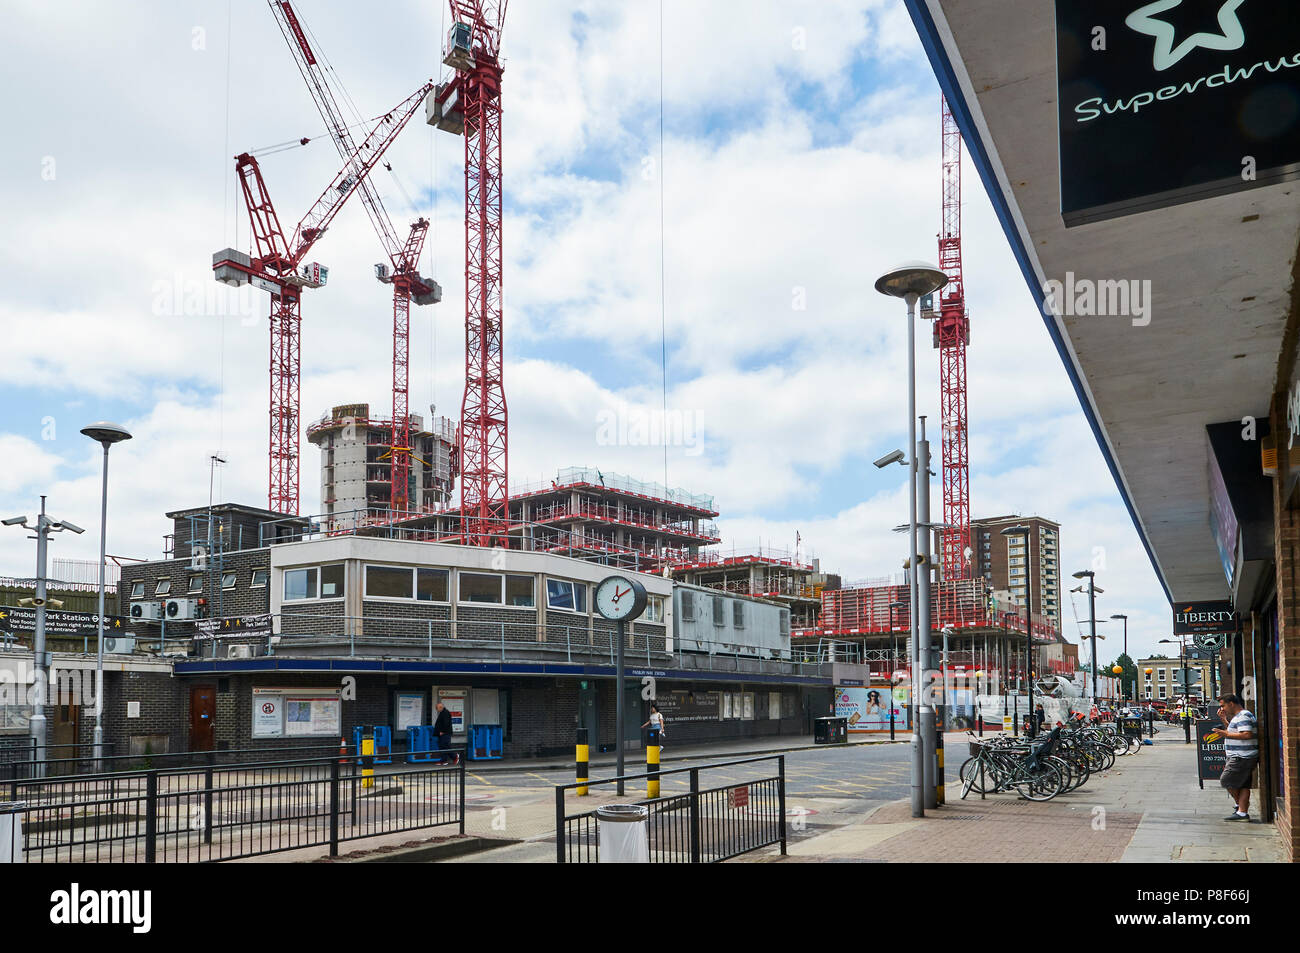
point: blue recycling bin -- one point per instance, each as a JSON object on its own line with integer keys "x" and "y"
{"x": 421, "y": 743}
{"x": 485, "y": 742}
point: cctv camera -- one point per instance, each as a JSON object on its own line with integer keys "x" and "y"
{"x": 15, "y": 521}
{"x": 895, "y": 457}
{"x": 73, "y": 527}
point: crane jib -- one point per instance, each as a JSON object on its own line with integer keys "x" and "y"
{"x": 298, "y": 35}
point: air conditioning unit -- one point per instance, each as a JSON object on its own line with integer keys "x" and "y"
{"x": 178, "y": 609}
{"x": 239, "y": 651}
{"x": 146, "y": 611}
{"x": 119, "y": 644}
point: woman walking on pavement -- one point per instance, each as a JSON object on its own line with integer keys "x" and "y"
{"x": 656, "y": 724}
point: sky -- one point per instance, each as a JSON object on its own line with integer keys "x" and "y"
{"x": 800, "y": 160}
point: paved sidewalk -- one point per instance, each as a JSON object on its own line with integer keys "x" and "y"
{"x": 1148, "y": 808}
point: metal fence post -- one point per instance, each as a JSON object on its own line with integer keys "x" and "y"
{"x": 695, "y": 815}
{"x": 780, "y": 798}
{"x": 503, "y": 641}
{"x": 462, "y": 759}
{"x": 207, "y": 800}
{"x": 559, "y": 825}
{"x": 430, "y": 638}
{"x": 334, "y": 807}
{"x": 151, "y": 817}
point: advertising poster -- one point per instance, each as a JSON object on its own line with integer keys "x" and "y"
{"x": 410, "y": 710}
{"x": 453, "y": 699}
{"x": 1210, "y": 756}
{"x": 680, "y": 706}
{"x": 867, "y": 708}
{"x": 288, "y": 712}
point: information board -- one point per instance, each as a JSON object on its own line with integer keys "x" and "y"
{"x": 296, "y": 713}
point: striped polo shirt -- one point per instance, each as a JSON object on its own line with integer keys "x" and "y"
{"x": 1242, "y": 747}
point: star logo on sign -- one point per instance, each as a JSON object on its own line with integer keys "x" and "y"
{"x": 1233, "y": 36}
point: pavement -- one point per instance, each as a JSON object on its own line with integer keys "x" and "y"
{"x": 1148, "y": 808}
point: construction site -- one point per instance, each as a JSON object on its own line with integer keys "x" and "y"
{"x": 449, "y": 481}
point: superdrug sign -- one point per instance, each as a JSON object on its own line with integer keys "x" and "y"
{"x": 1172, "y": 101}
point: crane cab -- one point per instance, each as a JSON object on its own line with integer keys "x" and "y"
{"x": 457, "y": 54}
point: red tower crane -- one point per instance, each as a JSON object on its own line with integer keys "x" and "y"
{"x": 277, "y": 266}
{"x": 951, "y": 337}
{"x": 469, "y": 104}
{"x": 402, "y": 270}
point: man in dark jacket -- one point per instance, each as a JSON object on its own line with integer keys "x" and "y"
{"x": 442, "y": 728}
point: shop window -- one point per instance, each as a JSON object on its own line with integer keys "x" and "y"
{"x": 480, "y": 587}
{"x": 389, "y": 582}
{"x": 431, "y": 585}
{"x": 163, "y": 588}
{"x": 519, "y": 591}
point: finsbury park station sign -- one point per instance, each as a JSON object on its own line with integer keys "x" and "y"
{"x": 1173, "y": 101}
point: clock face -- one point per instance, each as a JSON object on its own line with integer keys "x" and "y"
{"x": 619, "y": 598}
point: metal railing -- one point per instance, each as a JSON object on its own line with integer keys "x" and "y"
{"x": 704, "y": 825}
{"x": 62, "y": 764}
{"x": 223, "y": 813}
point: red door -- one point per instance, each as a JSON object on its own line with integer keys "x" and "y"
{"x": 203, "y": 712}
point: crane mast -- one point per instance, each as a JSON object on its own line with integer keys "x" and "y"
{"x": 951, "y": 337}
{"x": 469, "y": 104}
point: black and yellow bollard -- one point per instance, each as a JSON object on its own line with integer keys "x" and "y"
{"x": 581, "y": 759}
{"x": 938, "y": 753}
{"x": 652, "y": 764}
{"x": 367, "y": 762}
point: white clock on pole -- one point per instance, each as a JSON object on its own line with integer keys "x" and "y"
{"x": 620, "y": 599}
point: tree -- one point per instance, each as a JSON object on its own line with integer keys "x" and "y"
{"x": 1128, "y": 678}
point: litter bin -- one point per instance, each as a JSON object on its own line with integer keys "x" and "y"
{"x": 624, "y": 834}
{"x": 11, "y": 832}
{"x": 830, "y": 731}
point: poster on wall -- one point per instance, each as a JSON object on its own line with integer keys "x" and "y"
{"x": 453, "y": 699}
{"x": 295, "y": 713}
{"x": 268, "y": 716}
{"x": 679, "y": 706}
{"x": 410, "y": 710}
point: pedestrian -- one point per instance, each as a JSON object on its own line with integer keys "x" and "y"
{"x": 1241, "y": 751}
{"x": 1041, "y": 715}
{"x": 442, "y": 728}
{"x": 656, "y": 724}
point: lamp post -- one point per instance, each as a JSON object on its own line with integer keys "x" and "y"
{"x": 1023, "y": 531}
{"x": 106, "y": 434}
{"x": 40, "y": 657}
{"x": 911, "y": 281}
{"x": 1121, "y": 615}
{"x": 893, "y": 664}
{"x": 1092, "y": 623}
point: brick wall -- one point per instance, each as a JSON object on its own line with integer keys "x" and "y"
{"x": 1286, "y": 530}
{"x": 243, "y": 599}
{"x": 164, "y": 710}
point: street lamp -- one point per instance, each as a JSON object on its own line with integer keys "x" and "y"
{"x": 1092, "y": 621}
{"x": 106, "y": 434}
{"x": 1121, "y": 615}
{"x": 1029, "y": 625}
{"x": 43, "y": 528}
{"x": 911, "y": 281}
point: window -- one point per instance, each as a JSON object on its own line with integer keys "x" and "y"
{"x": 738, "y": 614}
{"x": 389, "y": 582}
{"x": 480, "y": 587}
{"x": 1162, "y": 691}
{"x": 688, "y": 606}
{"x": 164, "y": 587}
{"x": 719, "y": 611}
{"x": 315, "y": 582}
{"x": 654, "y": 609}
{"x": 196, "y": 582}
{"x": 261, "y": 577}
{"x": 137, "y": 589}
{"x": 1161, "y": 675}
{"x": 431, "y": 585}
{"x": 519, "y": 591}
{"x": 563, "y": 594}
{"x": 228, "y": 580}
{"x": 785, "y": 621}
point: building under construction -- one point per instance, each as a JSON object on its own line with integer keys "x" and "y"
{"x": 356, "y": 466}
{"x": 776, "y": 575}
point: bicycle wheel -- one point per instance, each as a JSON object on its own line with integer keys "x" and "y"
{"x": 970, "y": 778}
{"x": 1043, "y": 784}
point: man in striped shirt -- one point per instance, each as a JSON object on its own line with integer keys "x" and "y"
{"x": 1241, "y": 751}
